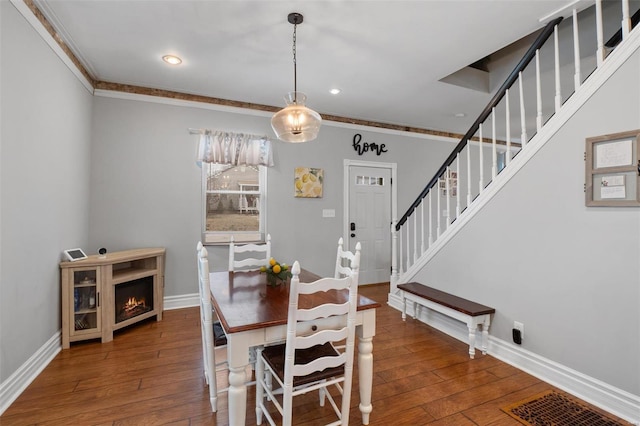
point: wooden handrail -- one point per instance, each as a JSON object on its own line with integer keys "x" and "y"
{"x": 526, "y": 59}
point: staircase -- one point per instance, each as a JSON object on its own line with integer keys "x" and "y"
{"x": 544, "y": 90}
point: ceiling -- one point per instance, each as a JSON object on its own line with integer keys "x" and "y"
{"x": 387, "y": 57}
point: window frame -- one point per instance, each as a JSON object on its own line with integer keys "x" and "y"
{"x": 224, "y": 237}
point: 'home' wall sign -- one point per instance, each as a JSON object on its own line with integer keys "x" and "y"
{"x": 366, "y": 146}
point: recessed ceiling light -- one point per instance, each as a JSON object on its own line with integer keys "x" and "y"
{"x": 173, "y": 60}
{"x": 460, "y": 115}
{"x": 335, "y": 91}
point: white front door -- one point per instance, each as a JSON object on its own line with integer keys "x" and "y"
{"x": 369, "y": 220}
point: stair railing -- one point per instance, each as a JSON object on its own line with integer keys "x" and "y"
{"x": 489, "y": 144}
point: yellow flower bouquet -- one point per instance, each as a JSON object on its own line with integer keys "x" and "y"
{"x": 277, "y": 273}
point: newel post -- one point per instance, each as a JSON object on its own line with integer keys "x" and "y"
{"x": 394, "y": 257}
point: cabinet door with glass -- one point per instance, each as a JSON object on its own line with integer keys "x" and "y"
{"x": 81, "y": 294}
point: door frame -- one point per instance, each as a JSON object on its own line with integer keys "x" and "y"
{"x": 346, "y": 195}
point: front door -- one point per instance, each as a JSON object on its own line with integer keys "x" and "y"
{"x": 369, "y": 221}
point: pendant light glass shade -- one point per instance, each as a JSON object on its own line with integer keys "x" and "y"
{"x": 296, "y": 122}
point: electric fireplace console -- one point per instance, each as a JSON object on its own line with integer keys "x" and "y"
{"x": 103, "y": 293}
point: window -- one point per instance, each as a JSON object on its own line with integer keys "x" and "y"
{"x": 234, "y": 203}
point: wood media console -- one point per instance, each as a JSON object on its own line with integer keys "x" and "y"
{"x": 103, "y": 293}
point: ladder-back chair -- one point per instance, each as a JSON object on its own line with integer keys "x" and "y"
{"x": 212, "y": 332}
{"x": 318, "y": 352}
{"x": 344, "y": 258}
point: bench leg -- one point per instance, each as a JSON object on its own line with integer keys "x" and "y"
{"x": 485, "y": 334}
{"x": 472, "y": 341}
{"x": 404, "y": 308}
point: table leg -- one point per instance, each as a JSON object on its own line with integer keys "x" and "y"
{"x": 365, "y": 370}
{"x": 238, "y": 357}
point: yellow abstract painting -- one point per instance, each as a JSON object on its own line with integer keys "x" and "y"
{"x": 308, "y": 182}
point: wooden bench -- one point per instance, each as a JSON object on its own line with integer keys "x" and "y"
{"x": 471, "y": 313}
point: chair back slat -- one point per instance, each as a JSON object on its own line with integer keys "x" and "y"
{"x": 323, "y": 311}
{"x": 303, "y": 342}
{"x": 324, "y": 284}
{"x": 260, "y": 255}
{"x": 319, "y": 364}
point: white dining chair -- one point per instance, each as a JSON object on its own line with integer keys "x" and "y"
{"x": 213, "y": 336}
{"x": 343, "y": 260}
{"x": 249, "y": 257}
{"x": 313, "y": 357}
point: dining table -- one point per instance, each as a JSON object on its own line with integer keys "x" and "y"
{"x": 254, "y": 313}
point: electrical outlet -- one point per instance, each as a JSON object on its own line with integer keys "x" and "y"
{"x": 520, "y": 327}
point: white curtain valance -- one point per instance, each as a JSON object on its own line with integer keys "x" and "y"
{"x": 233, "y": 148}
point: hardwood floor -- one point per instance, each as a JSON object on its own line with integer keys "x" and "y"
{"x": 151, "y": 374}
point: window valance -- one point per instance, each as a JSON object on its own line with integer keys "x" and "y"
{"x": 223, "y": 147}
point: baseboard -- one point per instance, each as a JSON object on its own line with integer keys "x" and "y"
{"x": 11, "y": 388}
{"x": 182, "y": 301}
{"x": 615, "y": 401}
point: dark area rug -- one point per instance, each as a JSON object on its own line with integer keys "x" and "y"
{"x": 551, "y": 408}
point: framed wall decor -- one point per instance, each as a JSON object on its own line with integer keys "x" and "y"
{"x": 452, "y": 176}
{"x": 612, "y": 170}
{"x": 307, "y": 182}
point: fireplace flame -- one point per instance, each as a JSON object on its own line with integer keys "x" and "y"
{"x": 133, "y": 303}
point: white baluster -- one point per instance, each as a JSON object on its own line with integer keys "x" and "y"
{"x": 577, "y": 80}
{"x": 447, "y": 187}
{"x": 400, "y": 257}
{"x": 468, "y": 173}
{"x": 408, "y": 240}
{"x": 415, "y": 236}
{"x": 431, "y": 217}
{"x": 538, "y": 93}
{"x": 626, "y": 20}
{"x": 457, "y": 185}
{"x": 422, "y": 233}
{"x": 439, "y": 212}
{"x": 507, "y": 155}
{"x": 558, "y": 98}
{"x": 523, "y": 121}
{"x": 394, "y": 255}
{"x": 481, "y": 156}
{"x": 494, "y": 151}
{"x": 599, "y": 34}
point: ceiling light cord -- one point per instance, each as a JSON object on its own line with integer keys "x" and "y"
{"x": 295, "y": 74}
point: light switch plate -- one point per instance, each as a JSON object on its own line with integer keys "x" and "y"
{"x": 328, "y": 213}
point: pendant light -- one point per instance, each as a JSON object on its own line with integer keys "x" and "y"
{"x": 296, "y": 122}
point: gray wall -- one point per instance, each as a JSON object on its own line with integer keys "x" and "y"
{"x": 146, "y": 186}
{"x": 44, "y": 185}
{"x": 570, "y": 273}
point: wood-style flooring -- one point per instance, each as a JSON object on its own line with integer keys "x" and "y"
{"x": 151, "y": 374}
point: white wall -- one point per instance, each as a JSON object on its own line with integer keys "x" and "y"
{"x": 537, "y": 255}
{"x": 146, "y": 186}
{"x": 44, "y": 185}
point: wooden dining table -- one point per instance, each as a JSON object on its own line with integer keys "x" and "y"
{"x": 254, "y": 313}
